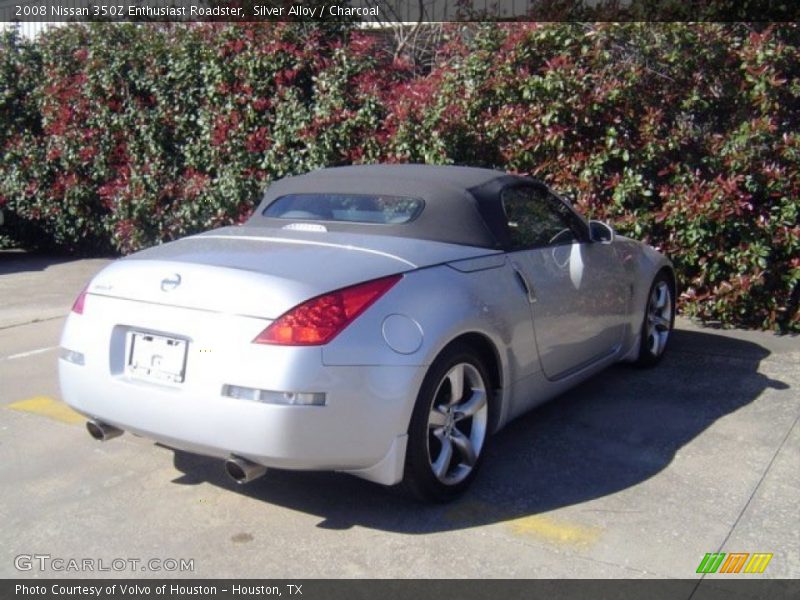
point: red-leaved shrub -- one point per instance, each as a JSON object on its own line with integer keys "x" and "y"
{"x": 117, "y": 137}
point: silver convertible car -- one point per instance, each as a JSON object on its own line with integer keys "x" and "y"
{"x": 382, "y": 321}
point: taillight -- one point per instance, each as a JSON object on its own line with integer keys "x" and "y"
{"x": 77, "y": 306}
{"x": 319, "y": 320}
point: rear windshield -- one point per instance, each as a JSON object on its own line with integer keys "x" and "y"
{"x": 349, "y": 208}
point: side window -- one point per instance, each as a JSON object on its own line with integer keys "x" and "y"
{"x": 536, "y": 218}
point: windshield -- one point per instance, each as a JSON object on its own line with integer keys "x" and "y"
{"x": 349, "y": 208}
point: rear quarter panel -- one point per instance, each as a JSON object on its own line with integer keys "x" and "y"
{"x": 445, "y": 303}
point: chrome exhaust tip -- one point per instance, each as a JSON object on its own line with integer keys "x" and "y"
{"x": 102, "y": 431}
{"x": 242, "y": 470}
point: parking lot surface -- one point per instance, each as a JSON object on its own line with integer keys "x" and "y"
{"x": 636, "y": 473}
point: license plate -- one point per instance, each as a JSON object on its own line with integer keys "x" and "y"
{"x": 156, "y": 357}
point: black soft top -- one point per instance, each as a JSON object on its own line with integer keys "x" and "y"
{"x": 462, "y": 204}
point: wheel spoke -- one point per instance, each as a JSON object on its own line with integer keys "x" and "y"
{"x": 464, "y": 445}
{"x": 442, "y": 463}
{"x": 475, "y": 403}
{"x": 661, "y": 300}
{"x": 655, "y": 347}
{"x": 436, "y": 419}
{"x": 661, "y": 322}
{"x": 456, "y": 379}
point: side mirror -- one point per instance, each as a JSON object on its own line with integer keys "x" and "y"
{"x": 601, "y": 232}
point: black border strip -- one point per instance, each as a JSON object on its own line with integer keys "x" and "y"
{"x": 722, "y": 588}
{"x": 389, "y": 12}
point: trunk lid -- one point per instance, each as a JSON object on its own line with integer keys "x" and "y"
{"x": 262, "y": 272}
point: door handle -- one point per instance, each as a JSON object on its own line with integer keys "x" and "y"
{"x": 524, "y": 283}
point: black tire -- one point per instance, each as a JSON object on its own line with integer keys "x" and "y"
{"x": 440, "y": 420}
{"x": 658, "y": 321}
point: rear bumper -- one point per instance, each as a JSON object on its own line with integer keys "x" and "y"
{"x": 359, "y": 429}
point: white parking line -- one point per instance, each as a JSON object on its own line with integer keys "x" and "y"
{"x": 29, "y": 353}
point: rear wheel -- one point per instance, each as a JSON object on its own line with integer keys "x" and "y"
{"x": 449, "y": 427}
{"x": 659, "y": 318}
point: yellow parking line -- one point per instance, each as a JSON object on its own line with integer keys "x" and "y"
{"x": 48, "y": 407}
{"x": 555, "y": 531}
{"x": 538, "y": 526}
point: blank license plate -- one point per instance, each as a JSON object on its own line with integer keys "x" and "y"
{"x": 156, "y": 357}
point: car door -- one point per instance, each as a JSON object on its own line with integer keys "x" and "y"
{"x": 576, "y": 287}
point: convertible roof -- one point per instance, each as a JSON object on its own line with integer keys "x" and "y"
{"x": 461, "y": 203}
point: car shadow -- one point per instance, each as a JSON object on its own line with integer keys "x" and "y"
{"x": 610, "y": 433}
{"x": 15, "y": 261}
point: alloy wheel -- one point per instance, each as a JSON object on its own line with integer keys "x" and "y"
{"x": 457, "y": 424}
{"x": 659, "y": 318}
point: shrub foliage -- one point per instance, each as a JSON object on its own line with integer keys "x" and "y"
{"x": 117, "y": 137}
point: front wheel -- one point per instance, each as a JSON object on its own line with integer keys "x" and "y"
{"x": 449, "y": 427}
{"x": 659, "y": 318}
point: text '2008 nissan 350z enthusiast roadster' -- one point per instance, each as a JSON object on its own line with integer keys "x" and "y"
{"x": 382, "y": 321}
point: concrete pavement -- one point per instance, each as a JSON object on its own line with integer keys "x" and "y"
{"x": 37, "y": 288}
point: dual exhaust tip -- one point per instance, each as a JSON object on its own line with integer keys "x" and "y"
{"x": 102, "y": 432}
{"x": 242, "y": 470}
{"x": 239, "y": 469}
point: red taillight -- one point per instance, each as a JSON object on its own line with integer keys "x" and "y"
{"x": 321, "y": 319}
{"x": 77, "y": 306}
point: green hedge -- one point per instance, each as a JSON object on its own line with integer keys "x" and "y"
{"x": 117, "y": 137}
{"x": 144, "y": 134}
